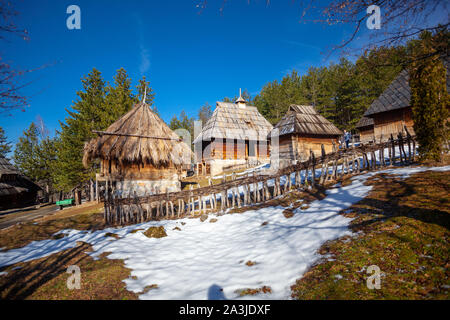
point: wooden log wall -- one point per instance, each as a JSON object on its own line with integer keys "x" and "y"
{"x": 253, "y": 188}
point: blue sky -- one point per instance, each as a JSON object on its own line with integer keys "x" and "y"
{"x": 189, "y": 58}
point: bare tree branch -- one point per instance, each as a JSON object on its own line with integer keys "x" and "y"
{"x": 10, "y": 84}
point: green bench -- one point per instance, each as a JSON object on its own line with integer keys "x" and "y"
{"x": 64, "y": 203}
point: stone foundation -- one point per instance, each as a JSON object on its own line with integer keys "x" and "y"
{"x": 146, "y": 187}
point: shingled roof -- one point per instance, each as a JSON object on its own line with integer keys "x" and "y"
{"x": 398, "y": 94}
{"x": 12, "y": 181}
{"x": 231, "y": 121}
{"x": 364, "y": 122}
{"x": 6, "y": 167}
{"x": 305, "y": 120}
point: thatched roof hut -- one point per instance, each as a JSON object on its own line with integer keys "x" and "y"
{"x": 139, "y": 136}
{"x": 236, "y": 134}
{"x": 300, "y": 130}
{"x": 139, "y": 147}
{"x": 16, "y": 190}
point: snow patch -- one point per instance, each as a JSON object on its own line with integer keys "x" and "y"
{"x": 204, "y": 258}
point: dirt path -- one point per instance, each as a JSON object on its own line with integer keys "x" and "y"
{"x": 26, "y": 214}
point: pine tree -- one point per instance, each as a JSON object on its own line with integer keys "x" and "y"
{"x": 245, "y": 95}
{"x": 5, "y": 146}
{"x": 205, "y": 112}
{"x": 46, "y": 161}
{"x": 144, "y": 88}
{"x": 311, "y": 86}
{"x": 119, "y": 98}
{"x": 276, "y": 97}
{"x": 25, "y": 154}
{"x": 88, "y": 114}
{"x": 341, "y": 92}
{"x": 429, "y": 96}
{"x": 97, "y": 107}
{"x": 183, "y": 122}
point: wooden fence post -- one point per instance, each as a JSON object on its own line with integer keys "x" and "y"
{"x": 298, "y": 178}
{"x": 393, "y": 149}
{"x": 322, "y": 164}
{"x": 399, "y": 139}
{"x": 313, "y": 170}
{"x": 306, "y": 183}
{"x": 255, "y": 189}
{"x": 134, "y": 209}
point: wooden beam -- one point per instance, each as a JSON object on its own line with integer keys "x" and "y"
{"x": 106, "y": 133}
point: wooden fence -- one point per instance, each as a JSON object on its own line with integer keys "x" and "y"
{"x": 255, "y": 187}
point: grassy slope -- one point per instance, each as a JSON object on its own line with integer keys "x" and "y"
{"x": 403, "y": 228}
{"x": 46, "y": 278}
{"x": 403, "y": 224}
{"x": 89, "y": 218}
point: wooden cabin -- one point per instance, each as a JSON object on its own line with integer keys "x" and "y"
{"x": 365, "y": 129}
{"x": 391, "y": 112}
{"x": 139, "y": 153}
{"x": 16, "y": 190}
{"x": 235, "y": 135}
{"x": 300, "y": 130}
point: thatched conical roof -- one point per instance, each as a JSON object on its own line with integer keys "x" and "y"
{"x": 139, "y": 136}
{"x": 305, "y": 120}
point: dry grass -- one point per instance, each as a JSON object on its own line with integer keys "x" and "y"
{"x": 80, "y": 218}
{"x": 84, "y": 209}
{"x": 46, "y": 278}
{"x": 251, "y": 292}
{"x": 403, "y": 228}
{"x": 155, "y": 232}
{"x": 403, "y": 224}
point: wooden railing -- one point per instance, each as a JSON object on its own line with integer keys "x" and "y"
{"x": 255, "y": 187}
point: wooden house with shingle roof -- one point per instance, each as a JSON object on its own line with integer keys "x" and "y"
{"x": 16, "y": 190}
{"x": 300, "y": 130}
{"x": 236, "y": 134}
{"x": 365, "y": 129}
{"x": 391, "y": 112}
{"x": 139, "y": 153}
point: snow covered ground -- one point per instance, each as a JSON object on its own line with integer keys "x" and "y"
{"x": 258, "y": 168}
{"x": 203, "y": 258}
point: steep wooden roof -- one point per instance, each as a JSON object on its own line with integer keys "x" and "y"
{"x": 364, "y": 122}
{"x": 398, "y": 94}
{"x": 18, "y": 184}
{"x": 139, "y": 136}
{"x": 230, "y": 121}
{"x": 6, "y": 167}
{"x": 305, "y": 120}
